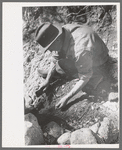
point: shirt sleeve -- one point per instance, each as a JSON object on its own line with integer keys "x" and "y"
{"x": 84, "y": 64}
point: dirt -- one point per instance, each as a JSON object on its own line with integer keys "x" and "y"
{"x": 87, "y": 107}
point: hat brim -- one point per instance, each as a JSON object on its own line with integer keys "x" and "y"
{"x": 44, "y": 49}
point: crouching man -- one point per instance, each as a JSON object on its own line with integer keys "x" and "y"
{"x": 77, "y": 52}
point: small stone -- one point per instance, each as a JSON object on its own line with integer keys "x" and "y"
{"x": 45, "y": 134}
{"x": 33, "y": 134}
{"x": 104, "y": 128}
{"x": 96, "y": 119}
{"x": 83, "y": 136}
{"x": 62, "y": 86}
{"x": 53, "y": 129}
{"x": 92, "y": 108}
{"x": 64, "y": 139}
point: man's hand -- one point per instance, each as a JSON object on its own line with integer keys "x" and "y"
{"x": 42, "y": 88}
{"x": 62, "y": 103}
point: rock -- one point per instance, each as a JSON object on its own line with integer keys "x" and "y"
{"x": 95, "y": 127}
{"x": 104, "y": 128}
{"x": 27, "y": 101}
{"x": 113, "y": 138}
{"x": 53, "y": 129}
{"x": 98, "y": 138}
{"x": 83, "y": 136}
{"x": 33, "y": 134}
{"x": 64, "y": 139}
{"x": 27, "y": 107}
{"x": 113, "y": 96}
{"x": 111, "y": 105}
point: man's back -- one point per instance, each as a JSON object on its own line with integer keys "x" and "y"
{"x": 84, "y": 38}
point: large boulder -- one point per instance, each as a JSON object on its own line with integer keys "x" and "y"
{"x": 33, "y": 134}
{"x": 51, "y": 132}
{"x": 83, "y": 136}
{"x": 64, "y": 139}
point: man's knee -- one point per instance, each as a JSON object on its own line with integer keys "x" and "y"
{"x": 66, "y": 67}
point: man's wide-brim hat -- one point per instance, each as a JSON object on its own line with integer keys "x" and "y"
{"x": 47, "y": 33}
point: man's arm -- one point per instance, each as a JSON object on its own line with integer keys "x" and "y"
{"x": 83, "y": 64}
{"x": 51, "y": 72}
{"x": 79, "y": 85}
{"x": 45, "y": 84}
{"x": 52, "y": 69}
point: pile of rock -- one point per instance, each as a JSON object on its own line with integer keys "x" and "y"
{"x": 54, "y": 134}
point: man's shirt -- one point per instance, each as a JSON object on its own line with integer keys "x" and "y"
{"x": 84, "y": 47}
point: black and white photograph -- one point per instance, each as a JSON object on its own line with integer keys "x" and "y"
{"x": 70, "y": 82}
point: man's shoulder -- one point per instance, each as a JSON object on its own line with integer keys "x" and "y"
{"x": 70, "y": 27}
{"x": 81, "y": 28}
